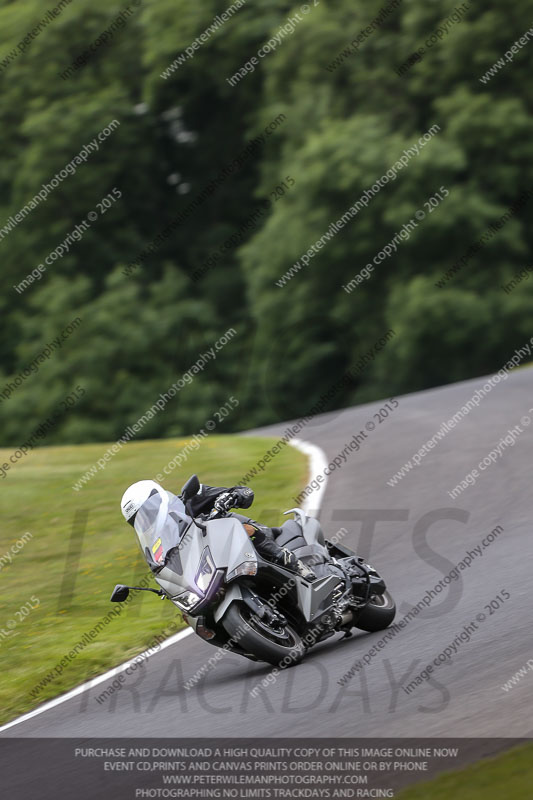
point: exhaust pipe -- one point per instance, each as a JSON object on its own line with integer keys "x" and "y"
{"x": 347, "y": 618}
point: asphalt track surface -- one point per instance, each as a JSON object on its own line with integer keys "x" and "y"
{"x": 464, "y": 698}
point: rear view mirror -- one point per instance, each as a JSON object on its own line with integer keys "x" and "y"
{"x": 191, "y": 488}
{"x": 120, "y": 593}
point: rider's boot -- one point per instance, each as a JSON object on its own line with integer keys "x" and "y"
{"x": 267, "y": 547}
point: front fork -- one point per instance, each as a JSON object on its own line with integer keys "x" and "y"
{"x": 262, "y": 610}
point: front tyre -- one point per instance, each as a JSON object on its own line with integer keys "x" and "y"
{"x": 378, "y": 614}
{"x": 280, "y": 646}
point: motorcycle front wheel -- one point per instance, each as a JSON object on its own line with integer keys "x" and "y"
{"x": 277, "y": 645}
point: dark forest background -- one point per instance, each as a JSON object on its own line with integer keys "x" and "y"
{"x": 338, "y": 131}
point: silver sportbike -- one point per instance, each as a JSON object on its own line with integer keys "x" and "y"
{"x": 234, "y": 599}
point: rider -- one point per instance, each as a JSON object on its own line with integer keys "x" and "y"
{"x": 222, "y": 499}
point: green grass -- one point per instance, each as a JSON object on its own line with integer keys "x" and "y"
{"x": 37, "y": 497}
{"x": 508, "y": 776}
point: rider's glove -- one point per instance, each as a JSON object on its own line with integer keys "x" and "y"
{"x": 225, "y": 501}
{"x": 244, "y": 496}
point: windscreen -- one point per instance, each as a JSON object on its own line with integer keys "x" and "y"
{"x": 160, "y": 524}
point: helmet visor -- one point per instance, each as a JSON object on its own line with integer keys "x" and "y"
{"x": 160, "y": 524}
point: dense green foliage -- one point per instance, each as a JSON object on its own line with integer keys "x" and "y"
{"x": 338, "y": 130}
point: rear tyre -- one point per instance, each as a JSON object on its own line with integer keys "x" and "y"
{"x": 378, "y": 614}
{"x": 281, "y": 646}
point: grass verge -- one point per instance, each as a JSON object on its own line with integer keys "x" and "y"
{"x": 508, "y": 776}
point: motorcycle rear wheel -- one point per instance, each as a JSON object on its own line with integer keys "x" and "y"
{"x": 378, "y": 614}
{"x": 281, "y": 647}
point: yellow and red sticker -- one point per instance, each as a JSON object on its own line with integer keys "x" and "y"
{"x": 157, "y": 550}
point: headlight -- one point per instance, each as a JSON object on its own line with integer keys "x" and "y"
{"x": 246, "y": 568}
{"x": 187, "y": 600}
{"x": 206, "y": 570}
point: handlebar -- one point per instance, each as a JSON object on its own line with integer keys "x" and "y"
{"x": 218, "y": 510}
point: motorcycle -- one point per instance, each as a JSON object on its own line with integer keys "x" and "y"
{"x": 236, "y": 600}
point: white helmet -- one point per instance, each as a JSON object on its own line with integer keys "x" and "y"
{"x": 137, "y": 494}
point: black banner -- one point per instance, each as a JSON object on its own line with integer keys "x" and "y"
{"x": 85, "y": 769}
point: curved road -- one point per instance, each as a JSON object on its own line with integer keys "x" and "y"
{"x": 391, "y": 527}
